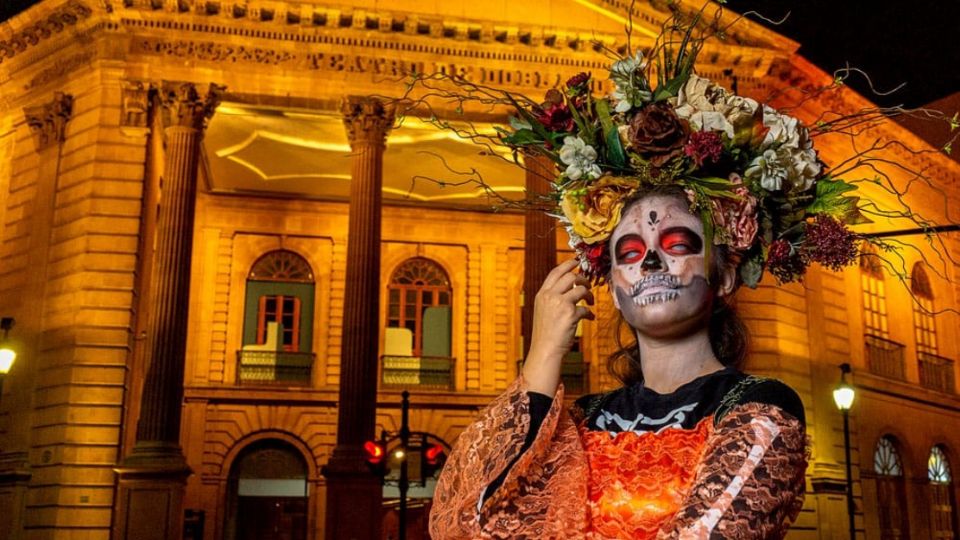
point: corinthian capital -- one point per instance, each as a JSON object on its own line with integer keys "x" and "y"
{"x": 184, "y": 106}
{"x": 367, "y": 119}
{"x": 48, "y": 122}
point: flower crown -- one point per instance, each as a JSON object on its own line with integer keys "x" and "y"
{"x": 750, "y": 172}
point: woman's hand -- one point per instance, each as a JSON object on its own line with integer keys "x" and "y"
{"x": 555, "y": 318}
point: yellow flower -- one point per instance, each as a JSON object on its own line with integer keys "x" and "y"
{"x": 594, "y": 211}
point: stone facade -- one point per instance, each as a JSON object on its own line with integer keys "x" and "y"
{"x": 82, "y": 167}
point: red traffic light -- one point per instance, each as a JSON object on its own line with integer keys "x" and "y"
{"x": 434, "y": 454}
{"x": 374, "y": 452}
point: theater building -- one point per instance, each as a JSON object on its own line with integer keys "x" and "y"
{"x": 178, "y": 185}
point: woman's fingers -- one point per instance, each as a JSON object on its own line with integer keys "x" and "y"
{"x": 559, "y": 271}
{"x": 585, "y": 313}
{"x": 578, "y": 293}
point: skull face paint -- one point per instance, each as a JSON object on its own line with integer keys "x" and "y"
{"x": 658, "y": 275}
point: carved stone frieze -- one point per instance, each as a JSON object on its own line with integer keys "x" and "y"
{"x": 68, "y": 15}
{"x": 367, "y": 119}
{"x": 60, "y": 68}
{"x": 134, "y": 102}
{"x": 48, "y": 122}
{"x": 184, "y": 106}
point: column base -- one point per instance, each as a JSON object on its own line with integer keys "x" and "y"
{"x": 150, "y": 487}
{"x": 354, "y": 497}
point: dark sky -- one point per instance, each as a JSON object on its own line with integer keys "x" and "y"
{"x": 916, "y": 42}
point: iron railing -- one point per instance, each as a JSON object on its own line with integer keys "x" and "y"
{"x": 936, "y": 372}
{"x": 274, "y": 367}
{"x": 417, "y": 372}
{"x": 884, "y": 357}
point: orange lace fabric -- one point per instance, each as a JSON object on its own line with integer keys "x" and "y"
{"x": 747, "y": 478}
{"x": 639, "y": 480}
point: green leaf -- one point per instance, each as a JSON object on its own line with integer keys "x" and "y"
{"x": 615, "y": 154}
{"x": 751, "y": 270}
{"x": 583, "y": 130}
{"x": 522, "y": 137}
{"x": 830, "y": 200}
{"x": 670, "y": 88}
{"x": 518, "y": 124}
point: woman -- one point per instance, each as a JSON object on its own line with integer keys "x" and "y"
{"x": 674, "y": 194}
{"x": 690, "y": 448}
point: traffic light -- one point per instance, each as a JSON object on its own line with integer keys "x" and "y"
{"x": 433, "y": 458}
{"x": 375, "y": 455}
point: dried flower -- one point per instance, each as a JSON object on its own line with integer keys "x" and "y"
{"x": 784, "y": 262}
{"x": 578, "y": 84}
{"x": 735, "y": 220}
{"x": 658, "y": 134}
{"x": 704, "y": 146}
{"x": 594, "y": 211}
{"x": 555, "y": 117}
{"x": 828, "y": 242}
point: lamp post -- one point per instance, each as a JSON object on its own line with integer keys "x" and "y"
{"x": 843, "y": 396}
{"x": 7, "y": 354}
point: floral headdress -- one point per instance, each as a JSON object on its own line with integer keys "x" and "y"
{"x": 749, "y": 172}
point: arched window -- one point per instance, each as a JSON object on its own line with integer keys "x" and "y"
{"x": 891, "y": 496}
{"x": 942, "y": 503}
{"x": 419, "y": 298}
{"x": 278, "y": 320}
{"x": 268, "y": 493}
{"x": 884, "y": 356}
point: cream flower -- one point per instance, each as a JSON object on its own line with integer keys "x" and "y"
{"x": 580, "y": 159}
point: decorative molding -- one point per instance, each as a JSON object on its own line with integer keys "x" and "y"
{"x": 367, "y": 119}
{"x": 48, "y": 122}
{"x": 134, "y": 102}
{"x": 60, "y": 68}
{"x": 184, "y": 106}
{"x": 69, "y": 14}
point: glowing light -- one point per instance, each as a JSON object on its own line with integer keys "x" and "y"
{"x": 7, "y": 357}
{"x": 843, "y": 397}
{"x": 399, "y": 454}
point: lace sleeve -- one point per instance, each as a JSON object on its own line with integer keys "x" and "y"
{"x": 750, "y": 483}
{"x": 527, "y": 504}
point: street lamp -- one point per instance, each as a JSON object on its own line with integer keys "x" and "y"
{"x": 843, "y": 396}
{"x": 7, "y": 354}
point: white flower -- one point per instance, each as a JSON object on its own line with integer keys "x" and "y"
{"x": 580, "y": 159}
{"x": 626, "y": 67}
{"x": 631, "y": 88}
{"x": 768, "y": 167}
{"x": 782, "y": 130}
{"x": 711, "y": 121}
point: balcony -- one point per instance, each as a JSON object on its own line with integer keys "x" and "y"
{"x": 274, "y": 367}
{"x": 936, "y": 373}
{"x": 884, "y": 357}
{"x": 434, "y": 372}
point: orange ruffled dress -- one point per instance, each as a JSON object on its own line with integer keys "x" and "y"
{"x": 723, "y": 457}
{"x": 639, "y": 480}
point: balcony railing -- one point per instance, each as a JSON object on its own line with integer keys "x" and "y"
{"x": 884, "y": 357}
{"x": 574, "y": 374}
{"x": 417, "y": 372}
{"x": 274, "y": 367}
{"x": 936, "y": 372}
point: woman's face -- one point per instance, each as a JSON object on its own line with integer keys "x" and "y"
{"x": 658, "y": 276}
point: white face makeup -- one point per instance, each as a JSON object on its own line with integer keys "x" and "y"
{"x": 658, "y": 276}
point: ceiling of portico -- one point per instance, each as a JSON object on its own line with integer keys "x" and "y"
{"x": 304, "y": 154}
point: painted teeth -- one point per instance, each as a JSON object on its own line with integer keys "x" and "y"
{"x": 656, "y": 280}
{"x": 660, "y": 297}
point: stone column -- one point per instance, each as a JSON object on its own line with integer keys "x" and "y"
{"x": 354, "y": 494}
{"x": 540, "y": 238}
{"x": 152, "y": 477}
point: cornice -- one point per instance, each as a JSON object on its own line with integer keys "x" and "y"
{"x": 14, "y": 41}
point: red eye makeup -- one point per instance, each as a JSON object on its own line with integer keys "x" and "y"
{"x": 630, "y": 249}
{"x": 680, "y": 241}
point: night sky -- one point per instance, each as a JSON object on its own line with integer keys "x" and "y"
{"x": 916, "y": 42}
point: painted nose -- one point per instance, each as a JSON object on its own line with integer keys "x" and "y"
{"x": 652, "y": 261}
